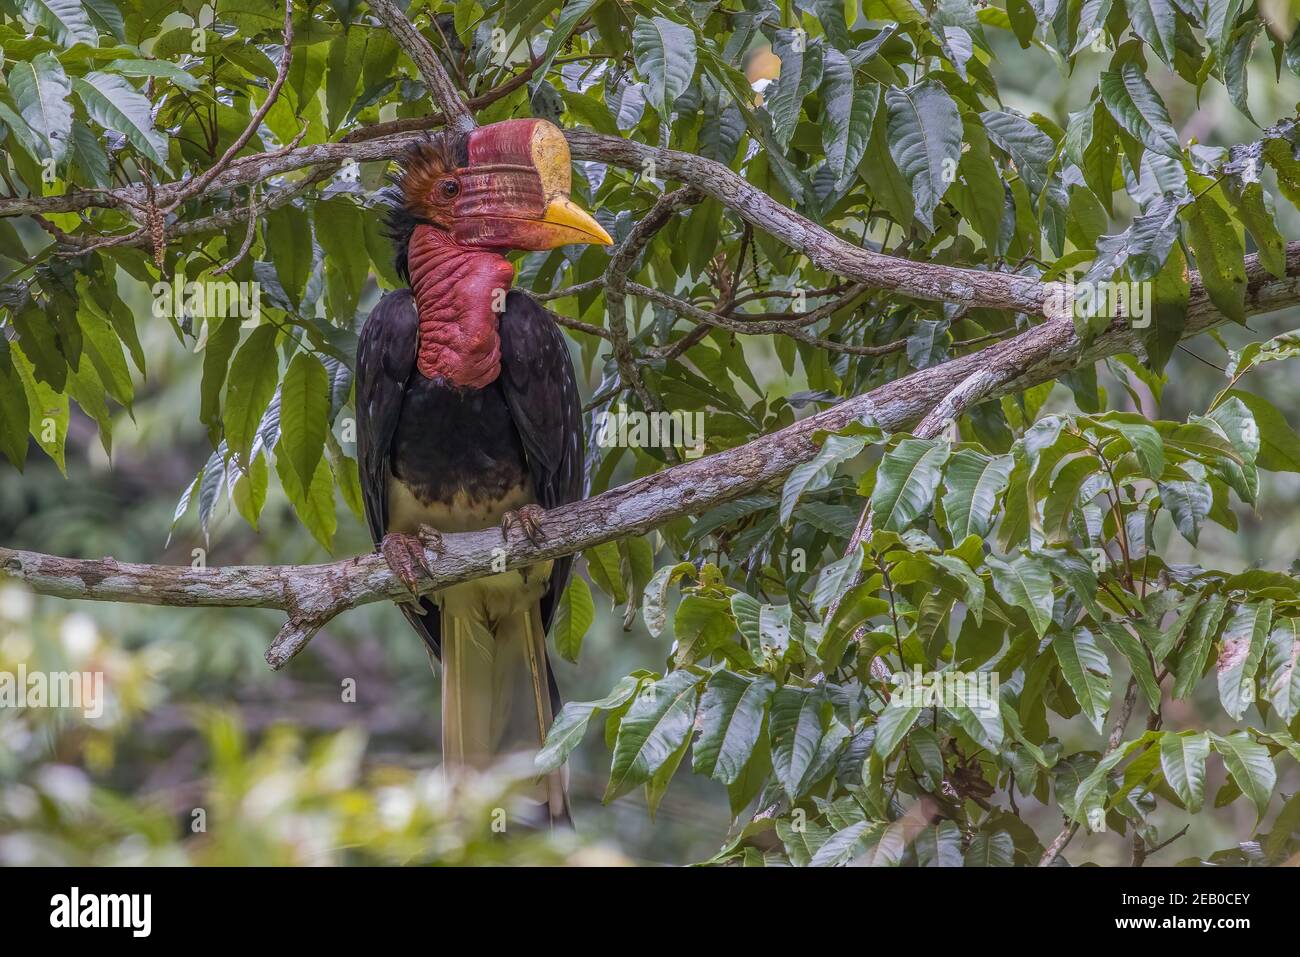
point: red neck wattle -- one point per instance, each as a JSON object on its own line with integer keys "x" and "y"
{"x": 456, "y": 288}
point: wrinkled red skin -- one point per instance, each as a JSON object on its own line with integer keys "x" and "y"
{"x": 455, "y": 289}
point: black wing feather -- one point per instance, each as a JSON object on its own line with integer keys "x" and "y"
{"x": 542, "y": 393}
{"x": 385, "y": 363}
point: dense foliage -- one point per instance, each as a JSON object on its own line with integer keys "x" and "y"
{"x": 1024, "y": 543}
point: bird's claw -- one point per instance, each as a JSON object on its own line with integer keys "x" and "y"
{"x": 407, "y": 556}
{"x": 528, "y": 519}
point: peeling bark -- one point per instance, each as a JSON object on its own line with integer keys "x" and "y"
{"x": 313, "y": 594}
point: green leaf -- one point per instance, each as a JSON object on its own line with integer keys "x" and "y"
{"x": 640, "y": 555}
{"x": 654, "y": 604}
{"x": 801, "y": 72}
{"x": 906, "y": 481}
{"x": 665, "y": 56}
{"x": 1279, "y": 446}
{"x": 1189, "y": 505}
{"x": 848, "y": 115}
{"x": 1235, "y": 66}
{"x": 163, "y": 69}
{"x": 1254, "y": 208}
{"x": 892, "y": 726}
{"x": 731, "y": 720}
{"x": 219, "y": 345}
{"x": 803, "y": 840}
{"x": 253, "y": 375}
{"x": 347, "y": 55}
{"x": 1025, "y": 584}
{"x": 972, "y": 585}
{"x": 116, "y": 105}
{"x": 795, "y": 727}
{"x": 817, "y": 473}
{"x": 338, "y": 226}
{"x": 1127, "y": 644}
{"x": 1220, "y": 255}
{"x": 925, "y": 142}
{"x": 1137, "y": 107}
{"x": 981, "y": 199}
{"x": 1090, "y": 796}
{"x": 1220, "y": 18}
{"x": 66, "y": 21}
{"x": 101, "y": 345}
{"x": 845, "y": 844}
{"x": 973, "y": 484}
{"x": 1086, "y": 671}
{"x": 889, "y": 186}
{"x": 1250, "y": 766}
{"x": 660, "y": 719}
{"x": 573, "y": 616}
{"x": 1144, "y": 440}
{"x": 568, "y": 19}
{"x": 1182, "y": 758}
{"x": 1062, "y": 499}
{"x": 14, "y": 411}
{"x": 47, "y": 409}
{"x": 939, "y": 845}
{"x": 304, "y": 410}
{"x": 1196, "y": 649}
{"x": 1030, "y": 148}
{"x": 1283, "y": 687}
{"x": 249, "y": 489}
{"x": 702, "y": 625}
{"x": 313, "y": 503}
{"x": 604, "y": 565}
{"x": 657, "y": 786}
{"x": 1155, "y": 21}
{"x": 991, "y": 850}
{"x": 1092, "y": 23}
{"x": 571, "y": 724}
{"x": 835, "y": 579}
{"x": 1169, "y": 309}
{"x": 981, "y": 719}
{"x": 1244, "y": 638}
{"x": 287, "y": 234}
{"x": 41, "y": 89}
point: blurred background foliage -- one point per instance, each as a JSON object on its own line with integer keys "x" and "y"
{"x": 286, "y": 771}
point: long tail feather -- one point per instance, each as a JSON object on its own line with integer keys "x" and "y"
{"x": 496, "y": 698}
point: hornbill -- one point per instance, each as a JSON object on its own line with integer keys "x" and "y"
{"x": 468, "y": 416}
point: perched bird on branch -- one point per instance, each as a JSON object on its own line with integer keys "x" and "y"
{"x": 468, "y": 416}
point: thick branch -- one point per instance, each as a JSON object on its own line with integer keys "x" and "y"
{"x": 930, "y": 281}
{"x": 616, "y": 285}
{"x": 421, "y": 52}
{"x": 313, "y": 594}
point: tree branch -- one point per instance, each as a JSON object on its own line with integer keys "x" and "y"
{"x": 421, "y": 52}
{"x": 313, "y": 594}
{"x": 1071, "y": 828}
{"x": 616, "y": 285}
{"x": 922, "y": 280}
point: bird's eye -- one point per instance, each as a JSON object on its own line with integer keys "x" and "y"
{"x": 448, "y": 189}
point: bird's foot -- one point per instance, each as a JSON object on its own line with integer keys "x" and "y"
{"x": 407, "y": 556}
{"x": 528, "y": 519}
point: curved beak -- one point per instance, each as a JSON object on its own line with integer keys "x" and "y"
{"x": 500, "y": 220}
{"x": 515, "y": 191}
{"x": 568, "y": 222}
